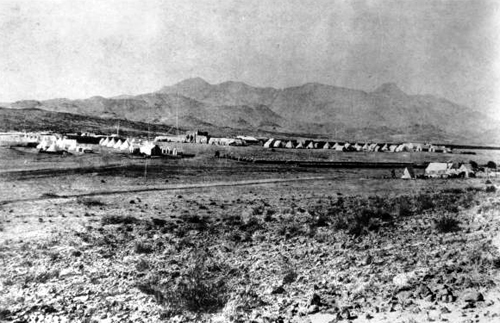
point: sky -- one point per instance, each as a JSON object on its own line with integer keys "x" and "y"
{"x": 78, "y": 49}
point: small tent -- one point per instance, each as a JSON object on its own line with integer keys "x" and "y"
{"x": 277, "y": 144}
{"x": 53, "y": 148}
{"x": 289, "y": 144}
{"x": 125, "y": 145}
{"x": 392, "y": 148}
{"x": 111, "y": 143}
{"x": 105, "y": 142}
{"x": 466, "y": 171}
{"x": 408, "y": 173}
{"x": 101, "y": 141}
{"x": 357, "y": 147}
{"x": 300, "y": 146}
{"x": 327, "y": 146}
{"x": 268, "y": 143}
{"x": 118, "y": 144}
{"x": 338, "y": 147}
{"x": 310, "y": 145}
{"x": 384, "y": 148}
{"x": 366, "y": 147}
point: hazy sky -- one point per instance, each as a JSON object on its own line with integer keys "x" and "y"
{"x": 77, "y": 49}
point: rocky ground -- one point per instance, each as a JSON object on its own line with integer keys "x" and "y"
{"x": 275, "y": 255}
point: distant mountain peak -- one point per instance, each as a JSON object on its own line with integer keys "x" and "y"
{"x": 389, "y": 88}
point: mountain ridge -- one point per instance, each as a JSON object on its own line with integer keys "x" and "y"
{"x": 311, "y": 108}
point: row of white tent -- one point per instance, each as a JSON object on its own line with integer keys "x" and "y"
{"x": 370, "y": 147}
{"x": 134, "y": 146}
{"x": 50, "y": 144}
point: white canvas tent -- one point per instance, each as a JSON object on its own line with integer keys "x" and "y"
{"x": 118, "y": 144}
{"x": 326, "y": 146}
{"x": 338, "y": 147}
{"x": 300, "y": 146}
{"x": 105, "y": 142}
{"x": 111, "y": 143}
{"x": 289, "y": 144}
{"x": 277, "y": 144}
{"x": 310, "y": 145}
{"x": 408, "y": 173}
{"x": 435, "y": 170}
{"x": 125, "y": 145}
{"x": 268, "y": 143}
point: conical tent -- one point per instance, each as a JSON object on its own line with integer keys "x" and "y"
{"x": 125, "y": 145}
{"x": 269, "y": 143}
{"x": 111, "y": 143}
{"x": 52, "y": 147}
{"x": 311, "y": 145}
{"x": 277, "y": 144}
{"x": 326, "y": 146}
{"x": 118, "y": 144}
{"x": 105, "y": 142}
{"x": 289, "y": 144}
{"x": 384, "y": 148}
{"x": 299, "y": 146}
{"x": 408, "y": 173}
{"x": 101, "y": 141}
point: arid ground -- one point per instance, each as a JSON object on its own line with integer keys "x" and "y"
{"x": 108, "y": 237}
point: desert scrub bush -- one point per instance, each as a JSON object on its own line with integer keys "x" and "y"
{"x": 141, "y": 247}
{"x": 41, "y": 277}
{"x": 491, "y": 189}
{"x": 89, "y": 201}
{"x": 201, "y": 287}
{"x": 251, "y": 225}
{"x": 424, "y": 202}
{"x": 447, "y": 223}
{"x": 117, "y": 219}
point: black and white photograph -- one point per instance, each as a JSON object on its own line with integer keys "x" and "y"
{"x": 233, "y": 161}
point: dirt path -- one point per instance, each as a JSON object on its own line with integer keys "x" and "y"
{"x": 170, "y": 188}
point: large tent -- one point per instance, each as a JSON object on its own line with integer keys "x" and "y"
{"x": 437, "y": 170}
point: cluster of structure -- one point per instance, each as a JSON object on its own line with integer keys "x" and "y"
{"x": 452, "y": 170}
{"x": 346, "y": 146}
{"x": 138, "y": 146}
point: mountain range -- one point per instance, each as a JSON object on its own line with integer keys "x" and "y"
{"x": 313, "y": 109}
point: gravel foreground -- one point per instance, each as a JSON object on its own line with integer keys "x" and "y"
{"x": 431, "y": 256}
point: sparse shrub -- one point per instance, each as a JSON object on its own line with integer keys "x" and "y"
{"x": 89, "y": 201}
{"x": 258, "y": 210}
{"x": 142, "y": 265}
{"x": 447, "y": 223}
{"x": 405, "y": 208}
{"x": 453, "y": 190}
{"x": 142, "y": 248}
{"x": 424, "y": 202}
{"x": 251, "y": 225}
{"x": 491, "y": 189}
{"x": 116, "y": 219}
{"x": 201, "y": 286}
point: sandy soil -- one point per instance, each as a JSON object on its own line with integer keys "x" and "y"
{"x": 100, "y": 241}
